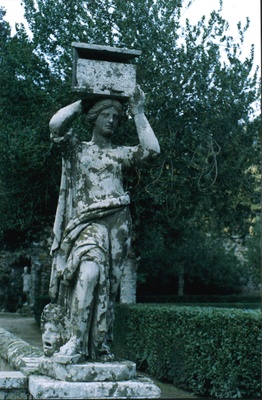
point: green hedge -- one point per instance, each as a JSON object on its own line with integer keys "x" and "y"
{"x": 211, "y": 351}
{"x": 197, "y": 299}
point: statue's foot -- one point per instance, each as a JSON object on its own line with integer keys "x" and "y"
{"x": 104, "y": 353}
{"x": 71, "y": 348}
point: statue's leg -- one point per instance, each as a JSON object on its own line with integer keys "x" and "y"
{"x": 119, "y": 230}
{"x": 81, "y": 308}
{"x": 99, "y": 328}
{"x": 120, "y": 238}
{"x": 87, "y": 291}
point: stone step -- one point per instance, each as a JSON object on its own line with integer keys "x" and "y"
{"x": 88, "y": 371}
{"x": 43, "y": 387}
{"x": 10, "y": 380}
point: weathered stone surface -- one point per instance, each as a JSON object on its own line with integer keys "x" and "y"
{"x": 12, "y": 380}
{"x": 13, "y": 349}
{"x": 61, "y": 359}
{"x": 104, "y": 71}
{"x": 128, "y": 280}
{"x": 42, "y": 387}
{"x": 30, "y": 365}
{"x": 106, "y": 78}
{"x": 13, "y": 386}
{"x": 16, "y": 394}
{"x": 89, "y": 371}
{"x": 4, "y": 366}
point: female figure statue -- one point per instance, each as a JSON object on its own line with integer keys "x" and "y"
{"x": 93, "y": 226}
{"x": 27, "y": 283}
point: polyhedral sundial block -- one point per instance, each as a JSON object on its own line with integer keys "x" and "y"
{"x": 103, "y": 71}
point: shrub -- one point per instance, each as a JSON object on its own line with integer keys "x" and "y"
{"x": 214, "y": 352}
{"x": 199, "y": 299}
{"x": 39, "y": 304}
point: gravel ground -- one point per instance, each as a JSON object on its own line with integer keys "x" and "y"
{"x": 27, "y": 329}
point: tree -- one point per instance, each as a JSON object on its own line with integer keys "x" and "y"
{"x": 252, "y": 254}
{"x": 199, "y": 106}
{"x": 26, "y": 172}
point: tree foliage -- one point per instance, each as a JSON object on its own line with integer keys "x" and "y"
{"x": 26, "y": 168}
{"x": 253, "y": 254}
{"x": 199, "y": 105}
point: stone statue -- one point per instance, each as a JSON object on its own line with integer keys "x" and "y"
{"x": 92, "y": 230}
{"x": 27, "y": 286}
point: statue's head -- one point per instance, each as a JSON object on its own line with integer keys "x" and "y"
{"x": 101, "y": 105}
{"x": 105, "y": 116}
{"x": 53, "y": 324}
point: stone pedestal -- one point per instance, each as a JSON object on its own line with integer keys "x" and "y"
{"x": 44, "y": 378}
{"x": 90, "y": 380}
{"x": 89, "y": 371}
{"x": 43, "y": 387}
{"x": 13, "y": 385}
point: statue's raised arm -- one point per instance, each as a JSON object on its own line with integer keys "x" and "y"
{"x": 146, "y": 135}
{"x": 60, "y": 122}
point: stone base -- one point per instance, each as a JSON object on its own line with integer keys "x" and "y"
{"x": 43, "y": 387}
{"x": 67, "y": 359}
{"x": 96, "y": 380}
{"x": 88, "y": 371}
{"x": 13, "y": 385}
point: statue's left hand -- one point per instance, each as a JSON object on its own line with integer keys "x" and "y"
{"x": 137, "y": 101}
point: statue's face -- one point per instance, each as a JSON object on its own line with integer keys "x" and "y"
{"x": 107, "y": 122}
{"x": 52, "y": 340}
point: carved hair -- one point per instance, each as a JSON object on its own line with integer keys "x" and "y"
{"x": 53, "y": 313}
{"x": 101, "y": 105}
